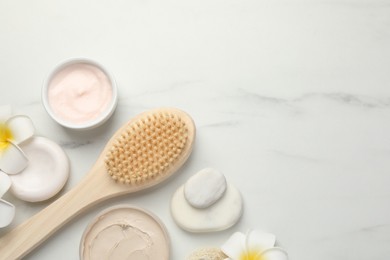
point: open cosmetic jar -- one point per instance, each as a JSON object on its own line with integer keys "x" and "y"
{"x": 125, "y": 232}
{"x": 80, "y": 94}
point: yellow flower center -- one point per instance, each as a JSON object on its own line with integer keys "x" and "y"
{"x": 252, "y": 255}
{"x": 5, "y": 136}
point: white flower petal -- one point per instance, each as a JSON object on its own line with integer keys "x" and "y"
{"x": 7, "y": 213}
{"x": 5, "y": 112}
{"x": 12, "y": 159}
{"x": 275, "y": 253}
{"x": 235, "y": 246}
{"x": 5, "y": 183}
{"x": 259, "y": 241}
{"x": 22, "y": 128}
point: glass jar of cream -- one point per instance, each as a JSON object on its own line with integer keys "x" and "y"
{"x": 80, "y": 94}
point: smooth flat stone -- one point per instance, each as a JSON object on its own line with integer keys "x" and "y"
{"x": 205, "y": 188}
{"x": 219, "y": 216}
{"x": 46, "y": 173}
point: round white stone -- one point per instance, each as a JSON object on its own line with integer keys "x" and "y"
{"x": 46, "y": 173}
{"x": 205, "y": 188}
{"x": 219, "y": 216}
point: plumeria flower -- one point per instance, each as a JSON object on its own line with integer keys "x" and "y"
{"x": 255, "y": 245}
{"x": 13, "y": 131}
{"x": 7, "y": 210}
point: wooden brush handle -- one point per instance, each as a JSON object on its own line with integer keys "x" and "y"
{"x": 95, "y": 187}
{"x": 20, "y": 241}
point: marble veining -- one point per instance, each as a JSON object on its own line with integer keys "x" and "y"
{"x": 340, "y": 97}
{"x": 291, "y": 101}
{"x": 231, "y": 123}
{"x": 73, "y": 144}
{"x": 295, "y": 156}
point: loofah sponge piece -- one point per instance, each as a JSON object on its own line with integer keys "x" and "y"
{"x": 208, "y": 253}
{"x": 147, "y": 148}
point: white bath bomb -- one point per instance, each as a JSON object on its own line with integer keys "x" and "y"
{"x": 219, "y": 216}
{"x": 205, "y": 188}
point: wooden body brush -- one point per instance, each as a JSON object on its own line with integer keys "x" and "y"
{"x": 142, "y": 153}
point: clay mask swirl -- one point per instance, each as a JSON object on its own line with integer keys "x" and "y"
{"x": 125, "y": 233}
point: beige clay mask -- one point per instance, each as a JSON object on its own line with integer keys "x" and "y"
{"x": 125, "y": 232}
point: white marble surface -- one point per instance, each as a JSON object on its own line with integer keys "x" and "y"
{"x": 291, "y": 100}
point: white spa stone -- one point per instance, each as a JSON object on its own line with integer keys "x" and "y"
{"x": 219, "y": 216}
{"x": 46, "y": 173}
{"x": 205, "y": 188}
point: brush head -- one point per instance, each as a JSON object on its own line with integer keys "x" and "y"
{"x": 150, "y": 146}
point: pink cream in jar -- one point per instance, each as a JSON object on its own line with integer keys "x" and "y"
{"x": 80, "y": 94}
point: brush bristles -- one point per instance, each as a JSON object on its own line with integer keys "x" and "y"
{"x": 147, "y": 148}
